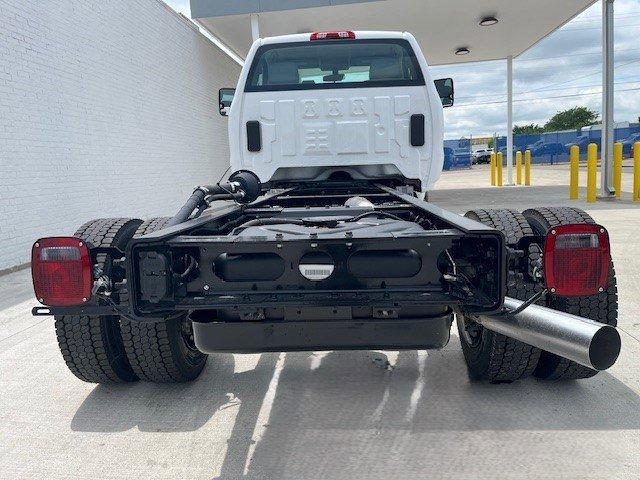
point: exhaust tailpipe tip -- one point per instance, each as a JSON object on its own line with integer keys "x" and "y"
{"x": 605, "y": 348}
{"x": 587, "y": 342}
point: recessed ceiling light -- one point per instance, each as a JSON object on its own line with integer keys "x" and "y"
{"x": 488, "y": 21}
{"x": 462, "y": 51}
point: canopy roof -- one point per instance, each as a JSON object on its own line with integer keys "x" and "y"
{"x": 440, "y": 26}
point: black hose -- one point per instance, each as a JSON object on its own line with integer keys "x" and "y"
{"x": 197, "y": 200}
{"x": 372, "y": 213}
{"x": 266, "y": 221}
{"x": 187, "y": 209}
{"x": 243, "y": 186}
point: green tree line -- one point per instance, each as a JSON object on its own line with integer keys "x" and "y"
{"x": 571, "y": 119}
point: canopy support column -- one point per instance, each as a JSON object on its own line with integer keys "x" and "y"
{"x": 509, "y": 153}
{"x": 255, "y": 26}
{"x": 606, "y": 174}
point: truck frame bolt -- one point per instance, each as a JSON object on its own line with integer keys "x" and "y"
{"x": 37, "y": 244}
{"x": 553, "y": 232}
{"x": 553, "y": 290}
{"x": 206, "y": 287}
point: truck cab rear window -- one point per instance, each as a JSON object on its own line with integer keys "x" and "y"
{"x": 334, "y": 64}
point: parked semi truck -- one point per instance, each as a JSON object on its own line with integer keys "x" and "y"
{"x": 322, "y": 239}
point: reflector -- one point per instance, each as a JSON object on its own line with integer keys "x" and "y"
{"x": 345, "y": 35}
{"x": 61, "y": 271}
{"x": 577, "y": 259}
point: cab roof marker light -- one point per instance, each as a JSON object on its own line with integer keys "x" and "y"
{"x": 343, "y": 35}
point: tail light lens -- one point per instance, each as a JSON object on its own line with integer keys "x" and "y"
{"x": 577, "y": 260}
{"x": 61, "y": 271}
{"x": 346, "y": 35}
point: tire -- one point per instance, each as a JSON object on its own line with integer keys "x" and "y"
{"x": 492, "y": 356}
{"x": 92, "y": 345}
{"x": 152, "y": 225}
{"x": 602, "y": 307}
{"x": 162, "y": 351}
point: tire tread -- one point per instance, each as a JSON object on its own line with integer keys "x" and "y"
{"x": 148, "y": 345}
{"x": 509, "y": 359}
{"x": 90, "y": 345}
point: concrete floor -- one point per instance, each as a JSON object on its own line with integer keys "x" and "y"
{"x": 347, "y": 415}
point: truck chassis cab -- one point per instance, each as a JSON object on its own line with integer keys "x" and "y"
{"x": 320, "y": 240}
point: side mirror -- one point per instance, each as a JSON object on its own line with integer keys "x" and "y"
{"x": 225, "y": 97}
{"x": 444, "y": 86}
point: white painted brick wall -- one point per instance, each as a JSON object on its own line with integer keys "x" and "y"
{"x": 107, "y": 108}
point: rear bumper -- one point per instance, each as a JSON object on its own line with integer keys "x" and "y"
{"x": 291, "y": 336}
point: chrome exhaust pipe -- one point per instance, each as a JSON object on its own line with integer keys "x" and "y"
{"x": 589, "y": 343}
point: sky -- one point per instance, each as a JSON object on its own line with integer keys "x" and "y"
{"x": 567, "y": 65}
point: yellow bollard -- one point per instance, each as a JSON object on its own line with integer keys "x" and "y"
{"x": 493, "y": 169}
{"x": 617, "y": 168}
{"x": 636, "y": 172}
{"x": 527, "y": 168}
{"x": 499, "y": 168}
{"x": 592, "y": 165}
{"x": 519, "y": 168}
{"x": 574, "y": 180}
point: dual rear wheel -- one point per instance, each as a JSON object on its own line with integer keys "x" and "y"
{"x": 109, "y": 349}
{"x": 498, "y": 359}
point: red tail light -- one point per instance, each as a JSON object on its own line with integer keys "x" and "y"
{"x": 61, "y": 271}
{"x": 346, "y": 35}
{"x": 577, "y": 260}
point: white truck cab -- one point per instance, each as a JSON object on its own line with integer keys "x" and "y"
{"x": 344, "y": 105}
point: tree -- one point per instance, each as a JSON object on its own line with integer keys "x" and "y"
{"x": 572, "y": 119}
{"x": 531, "y": 129}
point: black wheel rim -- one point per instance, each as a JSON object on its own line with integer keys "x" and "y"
{"x": 472, "y": 332}
{"x": 192, "y": 354}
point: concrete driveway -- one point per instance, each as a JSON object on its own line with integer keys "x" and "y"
{"x": 346, "y": 415}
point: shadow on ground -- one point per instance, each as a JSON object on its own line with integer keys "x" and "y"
{"x": 16, "y": 288}
{"x": 330, "y": 414}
